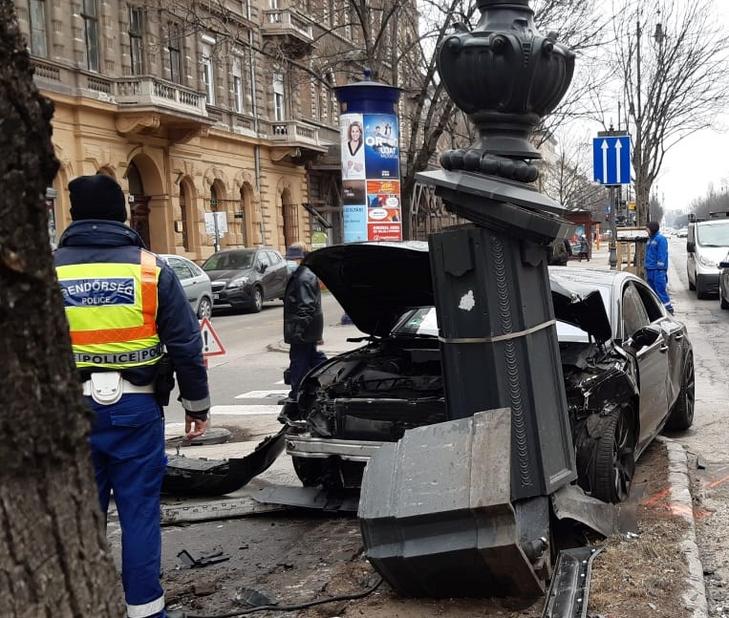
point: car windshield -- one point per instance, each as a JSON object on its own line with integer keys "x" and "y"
{"x": 233, "y": 260}
{"x": 713, "y": 235}
{"x": 423, "y": 322}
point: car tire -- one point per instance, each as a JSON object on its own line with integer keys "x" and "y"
{"x": 317, "y": 472}
{"x": 614, "y": 457}
{"x": 257, "y": 303}
{"x": 699, "y": 288}
{"x": 722, "y": 301}
{"x": 692, "y": 286}
{"x": 681, "y": 416}
{"x": 205, "y": 308}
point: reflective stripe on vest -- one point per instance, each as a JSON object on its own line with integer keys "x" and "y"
{"x": 111, "y": 310}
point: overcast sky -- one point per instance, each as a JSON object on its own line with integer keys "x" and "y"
{"x": 700, "y": 159}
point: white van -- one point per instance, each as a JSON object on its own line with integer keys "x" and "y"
{"x": 707, "y": 244}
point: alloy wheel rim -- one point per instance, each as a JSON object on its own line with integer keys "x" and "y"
{"x": 206, "y": 308}
{"x": 259, "y": 299}
{"x": 623, "y": 457}
{"x": 690, "y": 392}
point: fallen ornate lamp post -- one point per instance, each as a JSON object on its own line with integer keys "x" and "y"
{"x": 499, "y": 345}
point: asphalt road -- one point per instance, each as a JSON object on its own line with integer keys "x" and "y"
{"x": 249, "y": 366}
{"x": 708, "y": 327}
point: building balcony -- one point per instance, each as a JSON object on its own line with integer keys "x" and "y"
{"x": 145, "y": 90}
{"x": 291, "y": 29}
{"x": 148, "y": 103}
{"x": 296, "y": 141}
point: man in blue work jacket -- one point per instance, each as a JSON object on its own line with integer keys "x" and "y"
{"x": 124, "y": 305}
{"x": 656, "y": 264}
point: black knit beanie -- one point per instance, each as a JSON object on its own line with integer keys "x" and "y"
{"x": 97, "y": 197}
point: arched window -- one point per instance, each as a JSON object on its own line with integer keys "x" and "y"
{"x": 214, "y": 203}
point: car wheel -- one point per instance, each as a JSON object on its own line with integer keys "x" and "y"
{"x": 614, "y": 454}
{"x": 205, "y": 308}
{"x": 722, "y": 301}
{"x": 317, "y": 472}
{"x": 257, "y": 303}
{"x": 682, "y": 413}
{"x": 692, "y": 286}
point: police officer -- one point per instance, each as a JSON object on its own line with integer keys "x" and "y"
{"x": 656, "y": 264}
{"x": 123, "y": 304}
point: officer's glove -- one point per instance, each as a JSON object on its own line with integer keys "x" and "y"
{"x": 197, "y": 425}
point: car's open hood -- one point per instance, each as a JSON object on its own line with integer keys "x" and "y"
{"x": 377, "y": 282}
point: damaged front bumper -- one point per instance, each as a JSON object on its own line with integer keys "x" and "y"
{"x": 307, "y": 446}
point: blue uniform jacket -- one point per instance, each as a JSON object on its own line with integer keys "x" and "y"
{"x": 92, "y": 241}
{"x": 656, "y": 253}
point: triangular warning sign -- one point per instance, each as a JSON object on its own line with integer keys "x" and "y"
{"x": 212, "y": 346}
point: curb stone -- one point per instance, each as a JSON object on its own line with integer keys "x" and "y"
{"x": 681, "y": 504}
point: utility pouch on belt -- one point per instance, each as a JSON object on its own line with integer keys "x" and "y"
{"x": 165, "y": 380}
{"x": 106, "y": 387}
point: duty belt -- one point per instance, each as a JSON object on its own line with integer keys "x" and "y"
{"x": 108, "y": 387}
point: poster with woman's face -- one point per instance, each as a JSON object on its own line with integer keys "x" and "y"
{"x": 353, "y": 149}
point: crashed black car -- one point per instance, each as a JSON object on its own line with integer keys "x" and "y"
{"x": 628, "y": 368}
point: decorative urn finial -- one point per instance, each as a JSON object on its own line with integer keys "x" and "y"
{"x": 506, "y": 76}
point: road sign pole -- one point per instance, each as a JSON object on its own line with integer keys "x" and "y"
{"x": 217, "y": 232}
{"x": 613, "y": 231}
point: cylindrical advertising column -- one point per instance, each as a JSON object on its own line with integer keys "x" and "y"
{"x": 370, "y": 133}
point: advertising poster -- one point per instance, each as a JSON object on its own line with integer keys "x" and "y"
{"x": 371, "y": 177}
{"x": 353, "y": 148}
{"x": 382, "y": 151}
{"x": 355, "y": 223}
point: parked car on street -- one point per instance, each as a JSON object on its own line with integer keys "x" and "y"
{"x": 706, "y": 245}
{"x": 245, "y": 278}
{"x": 682, "y": 233}
{"x": 724, "y": 282}
{"x": 195, "y": 282}
{"x": 627, "y": 364}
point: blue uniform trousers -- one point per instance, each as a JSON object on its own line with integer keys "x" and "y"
{"x": 303, "y": 357}
{"x": 127, "y": 447}
{"x": 658, "y": 281}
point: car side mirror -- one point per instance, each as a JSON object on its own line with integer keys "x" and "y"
{"x": 690, "y": 247}
{"x": 642, "y": 338}
{"x": 262, "y": 267}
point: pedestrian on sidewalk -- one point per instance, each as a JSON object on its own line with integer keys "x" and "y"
{"x": 124, "y": 305}
{"x": 303, "y": 322}
{"x": 584, "y": 248}
{"x": 656, "y": 264}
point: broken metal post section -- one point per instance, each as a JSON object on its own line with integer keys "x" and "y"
{"x": 437, "y": 518}
{"x": 499, "y": 343}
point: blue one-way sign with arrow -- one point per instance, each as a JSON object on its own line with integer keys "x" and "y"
{"x": 611, "y": 156}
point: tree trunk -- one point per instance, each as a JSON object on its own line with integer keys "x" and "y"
{"x": 53, "y": 555}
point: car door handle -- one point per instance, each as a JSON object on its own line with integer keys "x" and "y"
{"x": 678, "y": 337}
{"x": 663, "y": 349}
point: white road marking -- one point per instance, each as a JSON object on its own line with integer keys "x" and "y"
{"x": 262, "y": 394}
{"x": 250, "y": 410}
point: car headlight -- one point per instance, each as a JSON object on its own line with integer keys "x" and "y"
{"x": 238, "y": 282}
{"x": 704, "y": 261}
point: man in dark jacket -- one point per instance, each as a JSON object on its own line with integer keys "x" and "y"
{"x": 303, "y": 320}
{"x": 123, "y": 305}
{"x": 656, "y": 264}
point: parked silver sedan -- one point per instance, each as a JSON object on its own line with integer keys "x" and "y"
{"x": 195, "y": 282}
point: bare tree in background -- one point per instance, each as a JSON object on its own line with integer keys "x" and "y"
{"x": 568, "y": 180}
{"x": 53, "y": 555}
{"x": 675, "y": 75}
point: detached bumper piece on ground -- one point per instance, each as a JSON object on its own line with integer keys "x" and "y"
{"x": 188, "y": 476}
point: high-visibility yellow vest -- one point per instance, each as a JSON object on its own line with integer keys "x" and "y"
{"x": 111, "y": 310}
